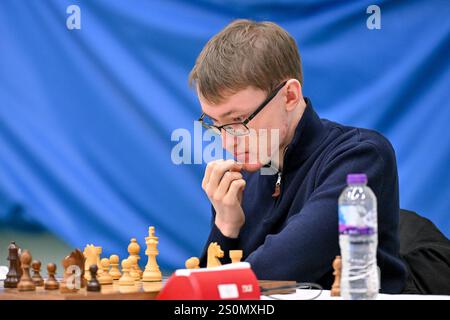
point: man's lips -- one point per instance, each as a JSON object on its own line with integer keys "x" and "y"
{"x": 244, "y": 157}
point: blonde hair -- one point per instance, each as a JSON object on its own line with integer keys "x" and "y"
{"x": 245, "y": 53}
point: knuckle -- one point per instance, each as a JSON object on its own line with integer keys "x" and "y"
{"x": 232, "y": 176}
{"x": 235, "y": 182}
{"x": 227, "y": 175}
{"x": 215, "y": 169}
{"x": 229, "y": 162}
{"x": 216, "y": 197}
{"x": 238, "y": 183}
{"x": 213, "y": 164}
{"x": 227, "y": 201}
{"x": 208, "y": 191}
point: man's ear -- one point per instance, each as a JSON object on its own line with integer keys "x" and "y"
{"x": 293, "y": 95}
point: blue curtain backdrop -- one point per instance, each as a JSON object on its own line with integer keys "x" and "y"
{"x": 86, "y": 116}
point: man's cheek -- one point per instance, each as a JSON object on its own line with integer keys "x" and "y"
{"x": 227, "y": 142}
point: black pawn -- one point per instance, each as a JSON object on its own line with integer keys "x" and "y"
{"x": 51, "y": 283}
{"x": 37, "y": 278}
{"x": 93, "y": 284}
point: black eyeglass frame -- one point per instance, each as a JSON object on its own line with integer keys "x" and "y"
{"x": 249, "y": 118}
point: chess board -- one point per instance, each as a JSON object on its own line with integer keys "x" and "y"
{"x": 131, "y": 285}
{"x": 140, "y": 291}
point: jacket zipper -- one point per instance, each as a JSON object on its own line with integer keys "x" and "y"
{"x": 277, "y": 191}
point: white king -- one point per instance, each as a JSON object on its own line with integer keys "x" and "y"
{"x": 152, "y": 272}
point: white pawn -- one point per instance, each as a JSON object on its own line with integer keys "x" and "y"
{"x": 134, "y": 268}
{"x": 114, "y": 272}
{"x": 133, "y": 250}
{"x": 126, "y": 279}
{"x": 105, "y": 277}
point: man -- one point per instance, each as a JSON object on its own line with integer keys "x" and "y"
{"x": 249, "y": 79}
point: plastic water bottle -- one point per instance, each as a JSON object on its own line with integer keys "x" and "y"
{"x": 358, "y": 240}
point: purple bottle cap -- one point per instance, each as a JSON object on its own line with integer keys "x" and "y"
{"x": 357, "y": 178}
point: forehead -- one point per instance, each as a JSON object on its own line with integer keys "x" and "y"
{"x": 242, "y": 101}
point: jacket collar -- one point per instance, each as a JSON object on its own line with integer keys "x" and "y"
{"x": 308, "y": 135}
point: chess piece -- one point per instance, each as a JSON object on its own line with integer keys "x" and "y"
{"x": 51, "y": 283}
{"x": 192, "y": 263}
{"x": 93, "y": 285}
{"x": 19, "y": 263}
{"x": 114, "y": 272}
{"x": 126, "y": 279}
{"x": 37, "y": 279}
{"x": 73, "y": 276}
{"x": 13, "y": 275}
{"x": 134, "y": 268}
{"x": 214, "y": 253}
{"x": 336, "y": 287}
{"x": 99, "y": 252}
{"x": 152, "y": 272}
{"x": 235, "y": 256}
{"x": 26, "y": 283}
{"x": 79, "y": 261}
{"x": 91, "y": 254}
{"x": 105, "y": 277}
{"x": 133, "y": 250}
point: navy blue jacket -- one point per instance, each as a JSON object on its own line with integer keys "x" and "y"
{"x": 295, "y": 235}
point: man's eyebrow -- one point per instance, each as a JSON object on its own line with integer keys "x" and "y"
{"x": 223, "y": 116}
{"x": 209, "y": 116}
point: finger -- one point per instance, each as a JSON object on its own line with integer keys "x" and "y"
{"x": 218, "y": 172}
{"x": 225, "y": 183}
{"x": 209, "y": 169}
{"x": 233, "y": 193}
{"x": 237, "y": 167}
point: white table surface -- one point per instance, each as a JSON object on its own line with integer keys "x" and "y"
{"x": 305, "y": 294}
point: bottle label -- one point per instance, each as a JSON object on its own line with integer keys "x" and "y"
{"x": 352, "y": 221}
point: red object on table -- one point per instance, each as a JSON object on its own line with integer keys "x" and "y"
{"x": 234, "y": 281}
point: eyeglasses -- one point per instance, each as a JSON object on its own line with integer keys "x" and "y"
{"x": 238, "y": 128}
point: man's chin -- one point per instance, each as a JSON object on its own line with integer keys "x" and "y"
{"x": 251, "y": 167}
